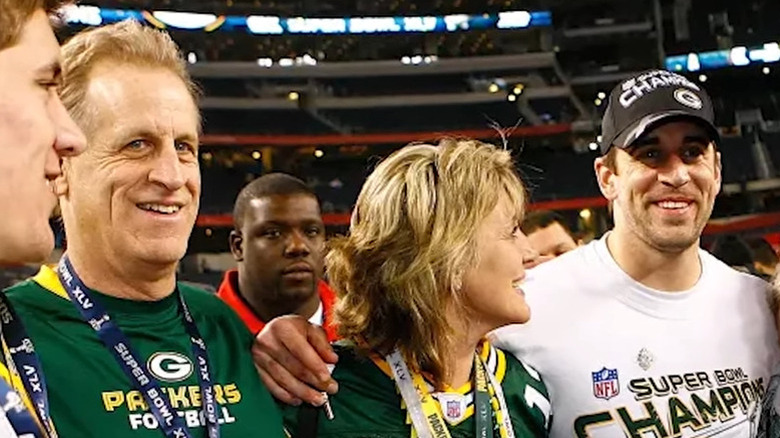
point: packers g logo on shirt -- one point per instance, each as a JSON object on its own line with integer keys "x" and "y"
{"x": 170, "y": 367}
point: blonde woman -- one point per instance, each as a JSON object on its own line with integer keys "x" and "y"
{"x": 433, "y": 262}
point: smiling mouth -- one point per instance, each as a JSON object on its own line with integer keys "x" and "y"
{"x": 673, "y": 205}
{"x": 159, "y": 208}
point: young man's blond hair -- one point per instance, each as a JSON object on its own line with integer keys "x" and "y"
{"x": 15, "y": 13}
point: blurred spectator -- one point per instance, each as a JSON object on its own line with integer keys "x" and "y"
{"x": 11, "y": 275}
{"x": 548, "y": 233}
{"x": 764, "y": 257}
{"x": 734, "y": 251}
{"x": 278, "y": 243}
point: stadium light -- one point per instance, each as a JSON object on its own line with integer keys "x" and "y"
{"x": 317, "y": 25}
{"x": 275, "y": 25}
{"x": 769, "y": 53}
{"x": 513, "y": 20}
{"x": 293, "y": 95}
{"x": 306, "y": 59}
{"x": 456, "y": 22}
{"x": 511, "y": 98}
{"x": 319, "y": 153}
{"x": 86, "y": 15}
{"x": 493, "y": 88}
{"x": 264, "y": 25}
{"x": 420, "y": 24}
{"x": 693, "y": 62}
{"x": 184, "y": 20}
{"x": 734, "y": 57}
{"x": 738, "y": 56}
{"x": 518, "y": 89}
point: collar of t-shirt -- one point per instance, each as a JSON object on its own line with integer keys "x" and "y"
{"x": 654, "y": 302}
{"x": 131, "y": 314}
{"x": 317, "y": 318}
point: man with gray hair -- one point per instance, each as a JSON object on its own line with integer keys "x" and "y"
{"x": 144, "y": 356}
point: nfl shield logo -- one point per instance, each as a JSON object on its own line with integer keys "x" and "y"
{"x": 453, "y": 408}
{"x": 605, "y": 383}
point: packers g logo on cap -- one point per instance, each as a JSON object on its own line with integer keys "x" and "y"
{"x": 170, "y": 367}
{"x": 687, "y": 98}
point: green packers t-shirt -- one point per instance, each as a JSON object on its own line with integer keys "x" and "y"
{"x": 368, "y": 404}
{"x": 89, "y": 394}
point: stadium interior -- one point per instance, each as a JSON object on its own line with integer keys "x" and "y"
{"x": 323, "y": 89}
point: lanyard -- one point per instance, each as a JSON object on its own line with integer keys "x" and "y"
{"x": 22, "y": 421}
{"x": 117, "y": 343}
{"x": 22, "y": 360}
{"x": 506, "y": 430}
{"x": 482, "y": 414}
{"x": 425, "y": 412}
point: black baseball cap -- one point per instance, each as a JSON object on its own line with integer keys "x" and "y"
{"x": 654, "y": 97}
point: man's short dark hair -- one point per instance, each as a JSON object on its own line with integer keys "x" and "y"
{"x": 762, "y": 251}
{"x": 272, "y": 184}
{"x": 733, "y": 250}
{"x": 539, "y": 219}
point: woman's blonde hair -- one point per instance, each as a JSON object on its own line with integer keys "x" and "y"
{"x": 126, "y": 42}
{"x": 411, "y": 239}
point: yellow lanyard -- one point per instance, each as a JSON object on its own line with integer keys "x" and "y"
{"x": 425, "y": 411}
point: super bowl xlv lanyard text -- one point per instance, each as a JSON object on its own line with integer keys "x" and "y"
{"x": 424, "y": 411}
{"x": 21, "y": 360}
{"x": 112, "y": 337}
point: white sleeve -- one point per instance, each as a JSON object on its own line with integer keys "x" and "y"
{"x": 6, "y": 430}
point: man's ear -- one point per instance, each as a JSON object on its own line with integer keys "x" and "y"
{"x": 236, "y": 241}
{"x": 718, "y": 171}
{"x": 607, "y": 178}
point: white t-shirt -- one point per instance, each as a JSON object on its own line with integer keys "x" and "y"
{"x": 623, "y": 360}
